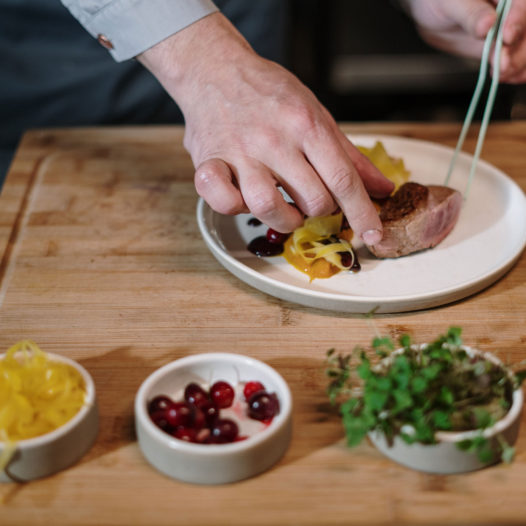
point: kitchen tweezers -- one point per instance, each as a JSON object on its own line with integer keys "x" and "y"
{"x": 494, "y": 36}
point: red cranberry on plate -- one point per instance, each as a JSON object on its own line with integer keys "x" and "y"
{"x": 276, "y": 237}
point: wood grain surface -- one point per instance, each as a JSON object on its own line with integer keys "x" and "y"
{"x": 101, "y": 260}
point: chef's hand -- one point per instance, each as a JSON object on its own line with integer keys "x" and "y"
{"x": 460, "y": 26}
{"x": 252, "y": 126}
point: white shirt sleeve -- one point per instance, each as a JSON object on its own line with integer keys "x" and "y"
{"x": 129, "y": 27}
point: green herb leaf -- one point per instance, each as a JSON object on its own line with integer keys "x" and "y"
{"x": 419, "y": 384}
{"x": 431, "y": 371}
{"x": 403, "y": 401}
{"x": 405, "y": 341}
{"x": 441, "y": 420}
{"x": 446, "y": 396}
{"x": 483, "y": 417}
{"x": 454, "y": 336}
{"x": 520, "y": 376}
{"x": 375, "y": 400}
{"x": 485, "y": 453}
{"x": 383, "y": 346}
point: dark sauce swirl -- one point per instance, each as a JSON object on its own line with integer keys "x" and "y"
{"x": 262, "y": 247}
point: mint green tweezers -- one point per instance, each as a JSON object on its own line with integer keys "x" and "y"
{"x": 494, "y": 37}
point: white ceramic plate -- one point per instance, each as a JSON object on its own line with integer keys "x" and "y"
{"x": 487, "y": 240}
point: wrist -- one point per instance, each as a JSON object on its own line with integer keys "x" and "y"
{"x": 187, "y": 60}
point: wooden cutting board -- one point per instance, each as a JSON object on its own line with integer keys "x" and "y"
{"x": 101, "y": 260}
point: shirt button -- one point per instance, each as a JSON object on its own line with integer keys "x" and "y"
{"x": 104, "y": 41}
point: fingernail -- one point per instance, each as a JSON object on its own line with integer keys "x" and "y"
{"x": 371, "y": 237}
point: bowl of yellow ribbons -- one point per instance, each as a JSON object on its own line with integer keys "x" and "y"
{"x": 48, "y": 413}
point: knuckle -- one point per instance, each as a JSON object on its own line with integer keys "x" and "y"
{"x": 344, "y": 182}
{"x": 272, "y": 141}
{"x": 302, "y": 119}
{"x": 231, "y": 208}
{"x": 263, "y": 205}
{"x": 319, "y": 205}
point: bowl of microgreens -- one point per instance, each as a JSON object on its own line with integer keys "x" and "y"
{"x": 440, "y": 407}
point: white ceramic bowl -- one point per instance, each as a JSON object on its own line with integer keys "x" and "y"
{"x": 445, "y": 457}
{"x": 47, "y": 454}
{"x": 212, "y": 463}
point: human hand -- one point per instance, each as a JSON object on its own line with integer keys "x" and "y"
{"x": 252, "y": 126}
{"x": 460, "y": 27}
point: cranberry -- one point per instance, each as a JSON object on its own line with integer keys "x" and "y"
{"x": 276, "y": 237}
{"x": 195, "y": 394}
{"x": 187, "y": 434}
{"x": 251, "y": 388}
{"x": 159, "y": 403}
{"x": 203, "y": 436}
{"x": 211, "y": 412}
{"x": 223, "y": 431}
{"x": 349, "y": 261}
{"x": 199, "y": 420}
{"x": 160, "y": 420}
{"x": 263, "y": 406}
{"x": 179, "y": 414}
{"x": 222, "y": 394}
{"x": 356, "y": 265}
{"x": 346, "y": 258}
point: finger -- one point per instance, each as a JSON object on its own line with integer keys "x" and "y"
{"x": 505, "y": 68}
{"x": 515, "y": 26}
{"x": 214, "y": 183}
{"x": 512, "y": 62}
{"x": 375, "y": 182}
{"x": 263, "y": 199}
{"x": 303, "y": 184}
{"x": 519, "y": 78}
{"x": 331, "y": 162}
{"x": 475, "y": 16}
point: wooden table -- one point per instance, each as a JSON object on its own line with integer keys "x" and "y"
{"x": 102, "y": 261}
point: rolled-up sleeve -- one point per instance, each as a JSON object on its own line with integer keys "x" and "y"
{"x": 129, "y": 27}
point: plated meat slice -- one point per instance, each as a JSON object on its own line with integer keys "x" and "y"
{"x": 416, "y": 217}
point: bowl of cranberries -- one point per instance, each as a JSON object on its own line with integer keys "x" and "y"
{"x": 213, "y": 418}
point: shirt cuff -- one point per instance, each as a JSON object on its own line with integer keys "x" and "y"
{"x": 129, "y": 27}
